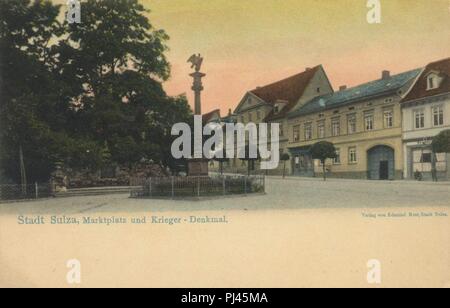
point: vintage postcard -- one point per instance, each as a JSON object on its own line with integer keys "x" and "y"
{"x": 225, "y": 144}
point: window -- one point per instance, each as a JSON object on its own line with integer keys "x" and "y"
{"x": 308, "y": 131}
{"x": 419, "y": 116}
{"x": 258, "y": 115}
{"x": 352, "y": 124}
{"x": 250, "y": 117}
{"x": 388, "y": 118}
{"x": 426, "y": 158}
{"x": 438, "y": 116}
{"x": 321, "y": 130}
{"x": 242, "y": 119}
{"x": 352, "y": 157}
{"x": 369, "y": 121}
{"x": 281, "y": 130}
{"x": 296, "y": 133}
{"x": 276, "y": 109}
{"x": 337, "y": 159}
{"x": 336, "y": 127}
{"x": 432, "y": 82}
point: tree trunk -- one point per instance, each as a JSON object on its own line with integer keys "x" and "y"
{"x": 23, "y": 174}
{"x": 433, "y": 167}
{"x": 324, "y": 172}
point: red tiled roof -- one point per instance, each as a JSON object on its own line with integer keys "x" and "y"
{"x": 207, "y": 116}
{"x": 419, "y": 90}
{"x": 289, "y": 90}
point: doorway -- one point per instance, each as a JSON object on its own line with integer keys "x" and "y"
{"x": 381, "y": 163}
{"x": 384, "y": 170}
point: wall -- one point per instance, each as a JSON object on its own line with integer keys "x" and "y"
{"x": 363, "y": 140}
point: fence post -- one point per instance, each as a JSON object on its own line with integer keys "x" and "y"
{"x": 36, "y": 190}
{"x": 173, "y": 191}
{"x": 224, "y": 186}
{"x": 198, "y": 186}
{"x": 150, "y": 187}
{"x": 245, "y": 184}
{"x": 264, "y": 184}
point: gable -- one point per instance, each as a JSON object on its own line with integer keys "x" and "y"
{"x": 421, "y": 89}
{"x": 249, "y": 101}
{"x": 315, "y": 84}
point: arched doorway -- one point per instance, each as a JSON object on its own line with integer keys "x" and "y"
{"x": 381, "y": 163}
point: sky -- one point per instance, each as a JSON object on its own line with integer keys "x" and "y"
{"x": 251, "y": 43}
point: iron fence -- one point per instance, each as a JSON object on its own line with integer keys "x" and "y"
{"x": 29, "y": 191}
{"x": 179, "y": 187}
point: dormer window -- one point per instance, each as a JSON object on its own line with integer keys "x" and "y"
{"x": 276, "y": 109}
{"x": 433, "y": 81}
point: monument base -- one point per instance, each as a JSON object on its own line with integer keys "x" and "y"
{"x": 198, "y": 167}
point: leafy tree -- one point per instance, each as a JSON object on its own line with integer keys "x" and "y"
{"x": 27, "y": 87}
{"x": 115, "y": 61}
{"x": 83, "y": 94}
{"x": 322, "y": 151}
{"x": 441, "y": 143}
{"x": 284, "y": 158}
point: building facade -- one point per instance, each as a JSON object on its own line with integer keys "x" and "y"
{"x": 365, "y": 125}
{"x": 272, "y": 103}
{"x": 426, "y": 113}
{"x": 382, "y": 129}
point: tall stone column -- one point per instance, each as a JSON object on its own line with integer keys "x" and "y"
{"x": 198, "y": 88}
{"x": 197, "y": 167}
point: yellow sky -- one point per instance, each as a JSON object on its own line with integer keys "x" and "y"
{"x": 249, "y": 43}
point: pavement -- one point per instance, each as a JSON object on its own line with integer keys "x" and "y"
{"x": 281, "y": 194}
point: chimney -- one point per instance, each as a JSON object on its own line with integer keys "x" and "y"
{"x": 342, "y": 88}
{"x": 230, "y": 112}
{"x": 385, "y": 75}
{"x": 307, "y": 69}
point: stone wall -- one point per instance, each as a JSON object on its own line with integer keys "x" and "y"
{"x": 65, "y": 178}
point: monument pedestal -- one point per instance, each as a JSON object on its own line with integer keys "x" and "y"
{"x": 198, "y": 167}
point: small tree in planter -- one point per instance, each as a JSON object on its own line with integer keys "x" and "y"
{"x": 221, "y": 161}
{"x": 441, "y": 144}
{"x": 250, "y": 160}
{"x": 322, "y": 151}
{"x": 284, "y": 158}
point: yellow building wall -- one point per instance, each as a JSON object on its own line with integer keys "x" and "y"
{"x": 362, "y": 140}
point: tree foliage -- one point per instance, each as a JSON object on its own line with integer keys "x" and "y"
{"x": 441, "y": 143}
{"x": 322, "y": 151}
{"x": 84, "y": 94}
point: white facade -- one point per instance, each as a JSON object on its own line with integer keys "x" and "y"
{"x": 423, "y": 120}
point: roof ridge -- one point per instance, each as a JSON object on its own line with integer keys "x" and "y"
{"x": 288, "y": 78}
{"x": 378, "y": 80}
{"x": 438, "y": 61}
{"x": 361, "y": 91}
